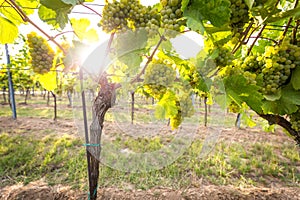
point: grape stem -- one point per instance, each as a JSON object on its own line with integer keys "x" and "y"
{"x": 63, "y": 33}
{"x": 242, "y": 38}
{"x": 281, "y": 121}
{"x": 265, "y": 38}
{"x": 256, "y": 38}
{"x": 288, "y": 24}
{"x": 162, "y": 38}
{"x": 25, "y": 18}
{"x": 91, "y": 9}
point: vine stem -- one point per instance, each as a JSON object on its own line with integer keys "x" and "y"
{"x": 256, "y": 38}
{"x": 91, "y": 9}
{"x": 281, "y": 121}
{"x": 27, "y": 19}
{"x": 288, "y": 24}
{"x": 63, "y": 33}
{"x": 244, "y": 36}
{"x": 162, "y": 38}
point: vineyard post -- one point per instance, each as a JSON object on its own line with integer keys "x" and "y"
{"x": 132, "y": 106}
{"x": 10, "y": 85}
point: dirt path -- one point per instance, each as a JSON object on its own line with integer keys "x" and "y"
{"x": 40, "y": 190}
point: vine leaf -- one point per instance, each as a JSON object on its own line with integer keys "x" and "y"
{"x": 61, "y": 9}
{"x": 25, "y": 4}
{"x": 48, "y": 80}
{"x": 48, "y": 15}
{"x": 10, "y": 33}
{"x": 287, "y": 104}
{"x": 295, "y": 79}
{"x": 166, "y": 107}
{"x": 238, "y": 89}
{"x": 81, "y": 28}
{"x": 217, "y": 12}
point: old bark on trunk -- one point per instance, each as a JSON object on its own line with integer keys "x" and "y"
{"x": 104, "y": 100}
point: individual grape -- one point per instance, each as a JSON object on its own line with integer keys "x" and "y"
{"x": 41, "y": 53}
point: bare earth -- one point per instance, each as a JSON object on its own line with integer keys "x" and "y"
{"x": 40, "y": 190}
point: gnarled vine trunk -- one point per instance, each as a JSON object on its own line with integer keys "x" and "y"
{"x": 104, "y": 100}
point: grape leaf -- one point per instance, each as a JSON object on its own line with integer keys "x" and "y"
{"x": 166, "y": 107}
{"x": 240, "y": 91}
{"x": 295, "y": 78}
{"x": 10, "y": 14}
{"x": 10, "y": 33}
{"x": 72, "y": 2}
{"x": 27, "y": 5}
{"x": 55, "y": 4}
{"x": 62, "y": 10}
{"x": 81, "y": 28}
{"x": 48, "y": 15}
{"x": 217, "y": 12}
{"x": 184, "y": 4}
{"x": 287, "y": 104}
{"x": 48, "y": 80}
{"x": 130, "y": 41}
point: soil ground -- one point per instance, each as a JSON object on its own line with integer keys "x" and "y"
{"x": 41, "y": 190}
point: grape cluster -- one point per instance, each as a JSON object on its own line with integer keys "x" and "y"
{"x": 159, "y": 74}
{"x": 280, "y": 61}
{"x": 186, "y": 105}
{"x": 171, "y": 15}
{"x": 239, "y": 14}
{"x": 176, "y": 120}
{"x": 295, "y": 120}
{"x": 123, "y": 15}
{"x": 42, "y": 55}
{"x": 224, "y": 58}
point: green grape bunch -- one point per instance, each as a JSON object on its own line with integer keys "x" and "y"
{"x": 239, "y": 15}
{"x": 186, "y": 105}
{"x": 171, "y": 15}
{"x": 224, "y": 58}
{"x": 42, "y": 55}
{"x": 280, "y": 62}
{"x": 159, "y": 74}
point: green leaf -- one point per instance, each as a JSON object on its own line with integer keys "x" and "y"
{"x": 238, "y": 89}
{"x": 249, "y": 3}
{"x": 10, "y": 33}
{"x": 62, "y": 10}
{"x": 48, "y": 80}
{"x": 81, "y": 28}
{"x": 166, "y": 107}
{"x": 130, "y": 41}
{"x": 194, "y": 20}
{"x": 184, "y": 4}
{"x": 217, "y": 12}
{"x": 27, "y": 5}
{"x": 287, "y": 104}
{"x": 55, "y": 4}
{"x": 72, "y": 2}
{"x": 296, "y": 78}
{"x": 273, "y": 97}
{"x": 281, "y": 15}
{"x": 10, "y": 14}
{"x": 48, "y": 15}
